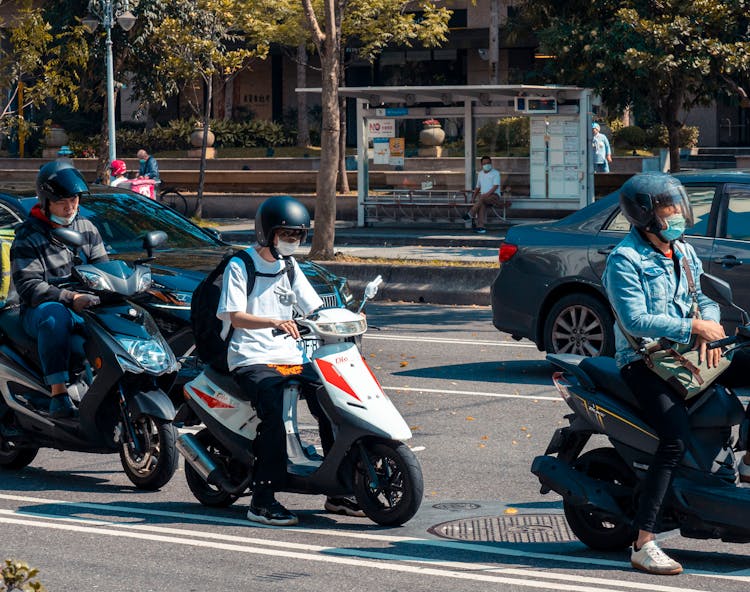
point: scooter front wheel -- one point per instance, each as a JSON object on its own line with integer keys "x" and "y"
{"x": 151, "y": 460}
{"x": 388, "y": 483}
{"x": 13, "y": 458}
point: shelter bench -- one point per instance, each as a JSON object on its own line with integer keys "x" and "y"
{"x": 424, "y": 205}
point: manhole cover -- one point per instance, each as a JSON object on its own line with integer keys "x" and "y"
{"x": 520, "y": 528}
{"x": 456, "y": 506}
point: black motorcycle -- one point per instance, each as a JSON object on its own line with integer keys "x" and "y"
{"x": 121, "y": 368}
{"x": 600, "y": 487}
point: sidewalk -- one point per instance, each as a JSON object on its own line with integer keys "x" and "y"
{"x": 441, "y": 281}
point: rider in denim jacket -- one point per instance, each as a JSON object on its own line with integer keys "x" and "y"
{"x": 652, "y": 299}
{"x": 649, "y": 293}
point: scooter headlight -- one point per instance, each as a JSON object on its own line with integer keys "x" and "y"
{"x": 343, "y": 329}
{"x": 151, "y": 354}
{"x": 95, "y": 281}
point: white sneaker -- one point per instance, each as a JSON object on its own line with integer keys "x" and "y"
{"x": 651, "y": 559}
{"x": 744, "y": 470}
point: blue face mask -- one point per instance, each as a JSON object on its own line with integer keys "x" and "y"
{"x": 675, "y": 227}
{"x": 486, "y": 168}
{"x": 63, "y": 221}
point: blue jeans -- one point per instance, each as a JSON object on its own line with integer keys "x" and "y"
{"x": 51, "y": 324}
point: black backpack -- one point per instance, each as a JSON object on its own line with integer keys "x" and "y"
{"x": 209, "y": 346}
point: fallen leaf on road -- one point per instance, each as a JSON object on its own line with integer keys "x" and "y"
{"x": 404, "y": 363}
{"x": 483, "y": 446}
{"x": 469, "y": 418}
{"x": 485, "y": 437}
{"x": 523, "y": 428}
{"x": 510, "y": 511}
{"x": 415, "y": 428}
{"x": 514, "y": 442}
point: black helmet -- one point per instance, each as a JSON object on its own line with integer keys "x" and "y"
{"x": 643, "y": 193}
{"x": 59, "y": 180}
{"x": 280, "y": 212}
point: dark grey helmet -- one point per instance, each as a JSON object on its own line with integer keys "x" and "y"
{"x": 58, "y": 180}
{"x": 280, "y": 212}
{"x": 642, "y": 194}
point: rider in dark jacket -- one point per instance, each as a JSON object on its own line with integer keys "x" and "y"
{"x": 39, "y": 261}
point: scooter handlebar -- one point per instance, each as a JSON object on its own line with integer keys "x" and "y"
{"x": 722, "y": 342}
{"x": 301, "y": 328}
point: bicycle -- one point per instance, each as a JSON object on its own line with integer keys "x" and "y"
{"x": 173, "y": 199}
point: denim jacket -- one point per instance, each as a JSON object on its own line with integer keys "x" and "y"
{"x": 643, "y": 290}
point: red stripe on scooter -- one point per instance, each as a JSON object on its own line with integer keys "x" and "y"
{"x": 212, "y": 402}
{"x": 333, "y": 376}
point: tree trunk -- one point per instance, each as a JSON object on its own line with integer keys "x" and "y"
{"x": 343, "y": 179}
{"x": 198, "y": 213}
{"x": 673, "y": 128}
{"x": 303, "y": 124}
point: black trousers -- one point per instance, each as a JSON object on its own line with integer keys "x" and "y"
{"x": 667, "y": 414}
{"x": 263, "y": 386}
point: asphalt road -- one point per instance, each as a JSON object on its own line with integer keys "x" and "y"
{"x": 480, "y": 405}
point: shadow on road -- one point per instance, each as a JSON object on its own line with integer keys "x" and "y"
{"x": 515, "y": 372}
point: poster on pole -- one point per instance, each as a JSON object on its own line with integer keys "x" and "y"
{"x": 381, "y": 128}
{"x": 381, "y": 151}
{"x": 397, "y": 147}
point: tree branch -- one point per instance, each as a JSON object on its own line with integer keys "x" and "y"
{"x": 312, "y": 21}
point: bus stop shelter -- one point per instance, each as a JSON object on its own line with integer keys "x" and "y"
{"x": 560, "y": 166}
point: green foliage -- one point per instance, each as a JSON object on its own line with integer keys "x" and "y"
{"x": 18, "y": 576}
{"x": 631, "y": 136}
{"x": 48, "y": 63}
{"x": 657, "y": 136}
{"x": 664, "y": 56}
{"x": 503, "y": 134}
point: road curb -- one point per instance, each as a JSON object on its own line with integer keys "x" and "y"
{"x": 432, "y": 284}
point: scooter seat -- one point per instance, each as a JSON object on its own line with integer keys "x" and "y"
{"x": 11, "y": 329}
{"x": 606, "y": 375}
{"x": 224, "y": 381}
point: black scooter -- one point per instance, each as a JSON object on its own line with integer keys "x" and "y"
{"x": 120, "y": 370}
{"x": 600, "y": 487}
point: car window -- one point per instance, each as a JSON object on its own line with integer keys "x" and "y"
{"x": 701, "y": 198}
{"x": 123, "y": 219}
{"x": 738, "y": 212}
{"x": 8, "y": 218}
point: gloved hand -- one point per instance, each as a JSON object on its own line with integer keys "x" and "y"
{"x": 81, "y": 301}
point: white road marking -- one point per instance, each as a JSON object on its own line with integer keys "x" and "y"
{"x": 354, "y": 557}
{"x": 469, "y": 393}
{"x": 429, "y": 543}
{"x": 421, "y": 339}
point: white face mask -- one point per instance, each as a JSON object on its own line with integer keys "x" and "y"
{"x": 286, "y": 249}
{"x": 63, "y": 221}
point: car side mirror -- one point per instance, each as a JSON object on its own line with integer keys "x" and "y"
{"x": 153, "y": 239}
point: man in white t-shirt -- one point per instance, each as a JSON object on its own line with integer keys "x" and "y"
{"x": 486, "y": 194}
{"x": 262, "y": 362}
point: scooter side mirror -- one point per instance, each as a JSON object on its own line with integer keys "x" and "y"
{"x": 371, "y": 289}
{"x": 69, "y": 237}
{"x": 720, "y": 291}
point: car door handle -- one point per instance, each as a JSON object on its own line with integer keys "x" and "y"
{"x": 728, "y": 261}
{"x": 605, "y": 250}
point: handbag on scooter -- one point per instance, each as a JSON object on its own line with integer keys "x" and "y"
{"x": 678, "y": 364}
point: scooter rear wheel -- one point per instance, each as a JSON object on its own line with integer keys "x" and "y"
{"x": 205, "y": 493}
{"x": 154, "y": 465}
{"x": 596, "y": 531}
{"x": 13, "y": 458}
{"x": 396, "y": 494}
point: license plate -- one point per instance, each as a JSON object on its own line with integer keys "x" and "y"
{"x": 310, "y": 345}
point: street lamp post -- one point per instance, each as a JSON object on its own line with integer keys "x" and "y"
{"x": 105, "y": 12}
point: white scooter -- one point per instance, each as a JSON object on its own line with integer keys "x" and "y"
{"x": 368, "y": 458}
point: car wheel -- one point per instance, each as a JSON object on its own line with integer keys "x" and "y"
{"x": 580, "y": 324}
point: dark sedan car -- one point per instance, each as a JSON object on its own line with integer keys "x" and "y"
{"x": 122, "y": 218}
{"x": 549, "y": 286}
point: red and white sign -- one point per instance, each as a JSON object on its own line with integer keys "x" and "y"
{"x": 381, "y": 128}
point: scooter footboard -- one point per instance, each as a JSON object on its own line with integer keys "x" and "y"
{"x": 575, "y": 487}
{"x": 726, "y": 508}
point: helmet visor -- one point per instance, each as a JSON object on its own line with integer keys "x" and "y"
{"x": 66, "y": 183}
{"x": 672, "y": 202}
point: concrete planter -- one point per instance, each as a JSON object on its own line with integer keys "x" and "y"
{"x": 432, "y": 135}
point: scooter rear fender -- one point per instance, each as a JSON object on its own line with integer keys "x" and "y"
{"x": 575, "y": 487}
